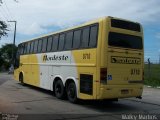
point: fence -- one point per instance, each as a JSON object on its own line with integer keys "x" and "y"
{"x": 152, "y": 73}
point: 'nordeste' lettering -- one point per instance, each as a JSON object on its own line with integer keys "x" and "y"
{"x": 55, "y": 57}
{"x": 125, "y": 60}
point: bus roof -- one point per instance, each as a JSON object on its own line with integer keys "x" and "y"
{"x": 63, "y": 30}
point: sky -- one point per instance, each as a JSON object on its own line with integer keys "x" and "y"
{"x": 39, "y": 17}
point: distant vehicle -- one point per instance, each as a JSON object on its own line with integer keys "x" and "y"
{"x": 101, "y": 59}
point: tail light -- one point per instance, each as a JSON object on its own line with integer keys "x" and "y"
{"x": 103, "y": 75}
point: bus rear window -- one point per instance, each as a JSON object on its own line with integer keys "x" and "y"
{"x": 125, "y": 25}
{"x": 125, "y": 41}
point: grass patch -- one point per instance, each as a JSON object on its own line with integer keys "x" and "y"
{"x": 154, "y": 82}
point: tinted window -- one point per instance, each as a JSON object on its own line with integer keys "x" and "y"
{"x": 28, "y": 47}
{"x": 44, "y": 46}
{"x": 35, "y": 46}
{"x": 32, "y": 47}
{"x": 125, "y": 25}
{"x": 25, "y": 48}
{"x": 85, "y": 37}
{"x": 125, "y": 41}
{"x": 76, "y": 39}
{"x": 22, "y": 48}
{"x": 19, "y": 49}
{"x": 61, "y": 42}
{"x": 39, "y": 45}
{"x": 68, "y": 43}
{"x": 49, "y": 44}
{"x": 55, "y": 43}
{"x": 93, "y": 36}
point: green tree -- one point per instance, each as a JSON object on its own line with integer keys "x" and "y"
{"x": 3, "y": 26}
{"x": 6, "y": 55}
{"x": 3, "y": 29}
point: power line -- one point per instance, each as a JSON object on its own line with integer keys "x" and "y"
{"x": 4, "y": 18}
{"x": 5, "y": 12}
{"x": 3, "y": 15}
{"x": 8, "y": 9}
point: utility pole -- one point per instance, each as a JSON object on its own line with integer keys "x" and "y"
{"x": 15, "y": 25}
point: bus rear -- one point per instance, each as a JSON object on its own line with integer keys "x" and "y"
{"x": 121, "y": 71}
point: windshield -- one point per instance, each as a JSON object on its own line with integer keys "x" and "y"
{"x": 125, "y": 41}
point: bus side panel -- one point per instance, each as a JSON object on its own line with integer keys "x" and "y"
{"x": 56, "y": 65}
{"x": 34, "y": 70}
{"x": 25, "y": 68}
{"x": 86, "y": 67}
{"x": 30, "y": 69}
{"x": 16, "y": 74}
{"x": 88, "y": 63}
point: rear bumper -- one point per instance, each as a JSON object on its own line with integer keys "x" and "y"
{"x": 120, "y": 91}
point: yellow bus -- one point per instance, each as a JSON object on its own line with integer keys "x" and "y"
{"x": 101, "y": 59}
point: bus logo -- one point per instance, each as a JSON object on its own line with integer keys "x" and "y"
{"x": 125, "y": 60}
{"x": 54, "y": 58}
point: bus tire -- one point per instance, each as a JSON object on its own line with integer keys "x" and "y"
{"x": 59, "y": 89}
{"x": 72, "y": 93}
{"x": 21, "y": 79}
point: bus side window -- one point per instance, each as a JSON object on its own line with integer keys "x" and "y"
{"x": 39, "y": 45}
{"x": 93, "y": 36}
{"x": 85, "y": 37}
{"x": 49, "y": 44}
{"x": 32, "y": 47}
{"x": 28, "y": 47}
{"x": 55, "y": 43}
{"x": 76, "y": 39}
{"x": 22, "y": 49}
{"x": 68, "y": 42}
{"x": 35, "y": 46}
{"x": 18, "y": 50}
{"x": 25, "y": 48}
{"x": 61, "y": 42}
{"x": 44, "y": 45}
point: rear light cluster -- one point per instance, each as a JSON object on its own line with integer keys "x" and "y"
{"x": 103, "y": 75}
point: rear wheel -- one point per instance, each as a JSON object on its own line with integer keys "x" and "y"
{"x": 59, "y": 89}
{"x": 72, "y": 92}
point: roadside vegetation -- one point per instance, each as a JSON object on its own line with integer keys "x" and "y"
{"x": 152, "y": 75}
{"x": 6, "y": 56}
